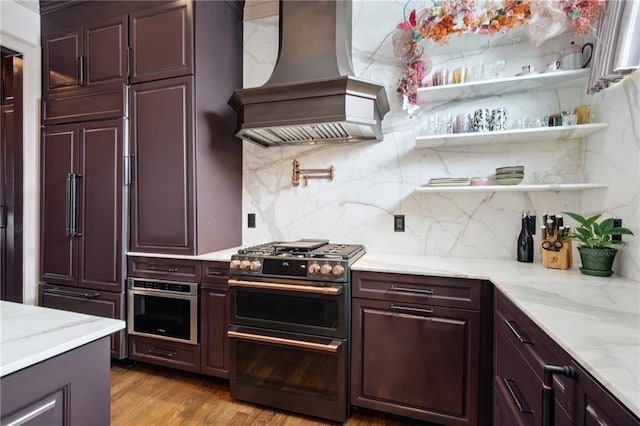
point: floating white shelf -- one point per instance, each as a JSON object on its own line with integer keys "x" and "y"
{"x": 512, "y": 188}
{"x": 510, "y": 136}
{"x": 434, "y": 95}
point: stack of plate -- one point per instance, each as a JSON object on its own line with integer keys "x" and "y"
{"x": 511, "y": 175}
{"x": 448, "y": 182}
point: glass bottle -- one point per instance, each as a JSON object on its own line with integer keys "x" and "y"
{"x": 525, "y": 241}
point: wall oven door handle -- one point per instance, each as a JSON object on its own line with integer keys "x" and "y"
{"x": 332, "y": 291}
{"x": 331, "y": 347}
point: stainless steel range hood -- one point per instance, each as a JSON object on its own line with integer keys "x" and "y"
{"x": 312, "y": 95}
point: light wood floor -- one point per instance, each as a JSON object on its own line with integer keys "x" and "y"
{"x": 143, "y": 394}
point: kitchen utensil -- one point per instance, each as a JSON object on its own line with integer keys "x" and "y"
{"x": 552, "y": 66}
{"x": 508, "y": 181}
{"x": 572, "y": 56}
{"x": 553, "y": 245}
{"x": 510, "y": 169}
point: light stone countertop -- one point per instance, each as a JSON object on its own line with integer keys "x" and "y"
{"x": 596, "y": 320}
{"x": 31, "y": 334}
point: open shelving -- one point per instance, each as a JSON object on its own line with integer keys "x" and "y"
{"x": 512, "y": 188}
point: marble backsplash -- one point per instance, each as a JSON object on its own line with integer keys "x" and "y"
{"x": 375, "y": 181}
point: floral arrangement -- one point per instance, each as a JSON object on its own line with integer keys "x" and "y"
{"x": 448, "y": 17}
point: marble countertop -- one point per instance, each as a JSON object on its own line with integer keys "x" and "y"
{"x": 31, "y": 334}
{"x": 596, "y": 320}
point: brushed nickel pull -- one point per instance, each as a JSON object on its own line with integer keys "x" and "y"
{"x": 411, "y": 290}
{"x": 73, "y": 293}
{"x": 43, "y": 408}
{"x": 410, "y": 309}
{"x": 512, "y": 326}
{"x": 331, "y": 347}
{"x": 514, "y": 397}
{"x": 332, "y": 291}
{"x": 161, "y": 269}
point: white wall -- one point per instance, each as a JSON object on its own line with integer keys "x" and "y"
{"x": 20, "y": 31}
{"x": 374, "y": 181}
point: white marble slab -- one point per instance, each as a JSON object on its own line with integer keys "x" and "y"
{"x": 596, "y": 320}
{"x": 31, "y": 334}
{"x": 219, "y": 255}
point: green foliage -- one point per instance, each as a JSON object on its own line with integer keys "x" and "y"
{"x": 593, "y": 234}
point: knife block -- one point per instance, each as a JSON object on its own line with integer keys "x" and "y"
{"x": 561, "y": 259}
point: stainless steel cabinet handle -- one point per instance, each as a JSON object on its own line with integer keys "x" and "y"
{"x": 512, "y": 326}
{"x": 72, "y": 293}
{"x": 162, "y": 353}
{"x": 411, "y": 290}
{"x": 331, "y": 291}
{"x": 512, "y": 392}
{"x": 410, "y": 309}
{"x": 331, "y": 347}
{"x": 46, "y": 406}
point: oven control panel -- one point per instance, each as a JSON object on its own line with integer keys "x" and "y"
{"x": 287, "y": 267}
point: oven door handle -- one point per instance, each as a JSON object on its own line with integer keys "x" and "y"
{"x": 331, "y": 347}
{"x": 332, "y": 291}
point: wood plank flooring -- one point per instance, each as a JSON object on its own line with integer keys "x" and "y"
{"x": 143, "y": 394}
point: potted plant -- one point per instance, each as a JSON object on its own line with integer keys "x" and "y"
{"x": 596, "y": 251}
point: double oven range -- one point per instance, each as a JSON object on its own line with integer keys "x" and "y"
{"x": 289, "y": 326}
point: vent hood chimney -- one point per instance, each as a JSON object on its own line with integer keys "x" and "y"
{"x": 312, "y": 95}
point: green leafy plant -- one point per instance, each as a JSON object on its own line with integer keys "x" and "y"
{"x": 596, "y": 235}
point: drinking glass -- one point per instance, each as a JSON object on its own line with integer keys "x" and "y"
{"x": 497, "y": 66}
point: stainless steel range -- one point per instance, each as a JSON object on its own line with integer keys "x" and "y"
{"x": 289, "y": 326}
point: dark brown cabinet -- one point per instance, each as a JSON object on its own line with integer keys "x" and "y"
{"x": 162, "y": 42}
{"x": 214, "y": 319}
{"x": 187, "y": 173}
{"x": 86, "y": 55}
{"x": 82, "y": 232}
{"x": 161, "y": 352}
{"x": 415, "y": 355}
{"x": 69, "y": 389}
{"x": 82, "y": 197}
{"x": 522, "y": 352}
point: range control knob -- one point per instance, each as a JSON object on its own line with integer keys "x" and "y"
{"x": 245, "y": 265}
{"x": 235, "y": 264}
{"x": 255, "y": 266}
{"x": 314, "y": 269}
{"x": 337, "y": 271}
{"x": 326, "y": 269}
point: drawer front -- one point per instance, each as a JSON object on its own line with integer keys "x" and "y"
{"x": 170, "y": 354}
{"x": 90, "y": 302}
{"x": 85, "y": 104}
{"x": 215, "y": 274}
{"x": 535, "y": 346}
{"x": 437, "y": 291}
{"x": 168, "y": 269}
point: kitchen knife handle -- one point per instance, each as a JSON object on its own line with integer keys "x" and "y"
{"x": 421, "y": 291}
{"x": 512, "y": 326}
{"x": 410, "y": 309}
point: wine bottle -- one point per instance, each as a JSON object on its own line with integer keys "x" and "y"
{"x": 525, "y": 241}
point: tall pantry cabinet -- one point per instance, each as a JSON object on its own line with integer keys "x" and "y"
{"x": 138, "y": 147}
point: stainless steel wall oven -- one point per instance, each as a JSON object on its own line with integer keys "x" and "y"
{"x": 289, "y": 326}
{"x": 166, "y": 310}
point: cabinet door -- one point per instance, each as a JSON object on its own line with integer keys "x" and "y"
{"x": 62, "y": 54}
{"x": 106, "y": 51}
{"x": 417, "y": 361}
{"x": 162, "y": 42}
{"x": 162, "y": 211}
{"x": 597, "y": 407}
{"x": 58, "y": 248}
{"x": 214, "y": 322}
{"x": 101, "y": 304}
{"x": 100, "y": 247}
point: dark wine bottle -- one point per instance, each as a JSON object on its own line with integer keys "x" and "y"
{"x": 525, "y": 241}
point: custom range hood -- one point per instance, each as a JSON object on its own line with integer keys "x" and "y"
{"x": 312, "y": 95}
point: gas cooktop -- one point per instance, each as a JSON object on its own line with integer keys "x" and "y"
{"x": 306, "y": 248}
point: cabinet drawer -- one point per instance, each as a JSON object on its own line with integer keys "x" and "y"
{"x": 215, "y": 274}
{"x": 90, "y": 302}
{"x": 438, "y": 291}
{"x": 85, "y": 104}
{"x": 535, "y": 346}
{"x": 170, "y": 354}
{"x": 169, "y": 269}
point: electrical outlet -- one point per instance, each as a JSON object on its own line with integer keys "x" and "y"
{"x": 251, "y": 220}
{"x": 617, "y": 223}
{"x": 398, "y": 223}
